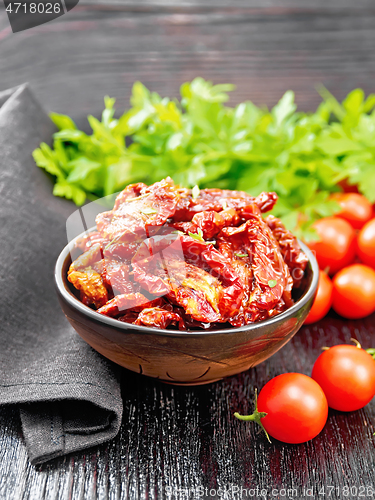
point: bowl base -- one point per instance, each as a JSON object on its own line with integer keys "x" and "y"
{"x": 190, "y": 384}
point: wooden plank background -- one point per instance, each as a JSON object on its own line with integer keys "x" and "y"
{"x": 264, "y": 50}
{"x": 187, "y": 437}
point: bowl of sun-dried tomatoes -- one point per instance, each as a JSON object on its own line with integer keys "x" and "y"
{"x": 187, "y": 286}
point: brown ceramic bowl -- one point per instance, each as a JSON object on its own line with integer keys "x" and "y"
{"x": 184, "y": 358}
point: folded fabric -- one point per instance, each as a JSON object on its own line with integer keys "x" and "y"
{"x": 69, "y": 396}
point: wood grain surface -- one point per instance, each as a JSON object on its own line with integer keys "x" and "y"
{"x": 176, "y": 438}
{"x": 73, "y": 61}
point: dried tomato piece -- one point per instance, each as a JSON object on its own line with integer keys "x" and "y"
{"x": 129, "y": 317}
{"x": 266, "y": 201}
{"x": 90, "y": 283}
{"x": 184, "y": 227}
{"x": 122, "y": 251}
{"x": 268, "y": 266}
{"x": 290, "y": 249}
{"x": 89, "y": 240}
{"x": 265, "y": 278}
{"x": 88, "y": 258}
{"x": 128, "y": 301}
{"x": 132, "y": 316}
{"x": 207, "y": 256}
{"x": 230, "y": 216}
{"x": 131, "y": 191}
{"x": 210, "y": 222}
{"x": 184, "y": 284}
{"x": 221, "y": 199}
{"x": 188, "y": 323}
{"x": 136, "y": 218}
{"x": 85, "y": 275}
{"x": 157, "y": 317}
{"x": 116, "y": 277}
{"x": 269, "y": 269}
{"x": 179, "y": 270}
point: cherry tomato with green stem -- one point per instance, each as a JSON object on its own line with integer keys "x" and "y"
{"x": 291, "y": 408}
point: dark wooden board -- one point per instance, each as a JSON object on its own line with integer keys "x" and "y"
{"x": 208, "y": 4}
{"x": 73, "y": 61}
{"x": 187, "y": 437}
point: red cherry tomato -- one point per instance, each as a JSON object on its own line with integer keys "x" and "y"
{"x": 354, "y": 291}
{"x": 335, "y": 248}
{"x": 346, "y": 374}
{"x": 366, "y": 243}
{"x": 356, "y": 208}
{"x": 296, "y": 408}
{"x": 323, "y": 299}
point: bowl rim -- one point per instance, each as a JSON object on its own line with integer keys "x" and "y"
{"x": 87, "y": 311}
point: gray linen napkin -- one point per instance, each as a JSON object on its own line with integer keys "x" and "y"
{"x": 69, "y": 396}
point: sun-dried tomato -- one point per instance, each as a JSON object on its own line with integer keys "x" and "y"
{"x": 292, "y": 254}
{"x": 120, "y": 304}
{"x": 88, "y": 241}
{"x": 90, "y": 283}
{"x": 221, "y": 199}
{"x": 116, "y": 277}
{"x": 134, "y": 218}
{"x": 191, "y": 274}
{"x": 258, "y": 261}
{"x": 167, "y": 259}
{"x": 157, "y": 317}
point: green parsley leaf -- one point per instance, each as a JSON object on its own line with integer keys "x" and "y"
{"x": 62, "y": 121}
{"x": 241, "y": 254}
{"x": 69, "y": 191}
{"x": 115, "y": 239}
{"x": 198, "y": 236}
{"x": 199, "y": 139}
{"x": 195, "y": 192}
{"x": 46, "y": 158}
{"x": 149, "y": 211}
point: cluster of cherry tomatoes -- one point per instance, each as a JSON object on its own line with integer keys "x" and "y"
{"x": 293, "y": 407}
{"x": 346, "y": 251}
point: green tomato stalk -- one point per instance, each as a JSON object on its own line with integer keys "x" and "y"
{"x": 255, "y": 417}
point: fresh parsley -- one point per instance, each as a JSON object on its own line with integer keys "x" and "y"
{"x": 149, "y": 211}
{"x": 200, "y": 140}
{"x": 195, "y": 192}
{"x": 198, "y": 236}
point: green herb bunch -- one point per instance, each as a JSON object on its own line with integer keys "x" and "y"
{"x": 201, "y": 141}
